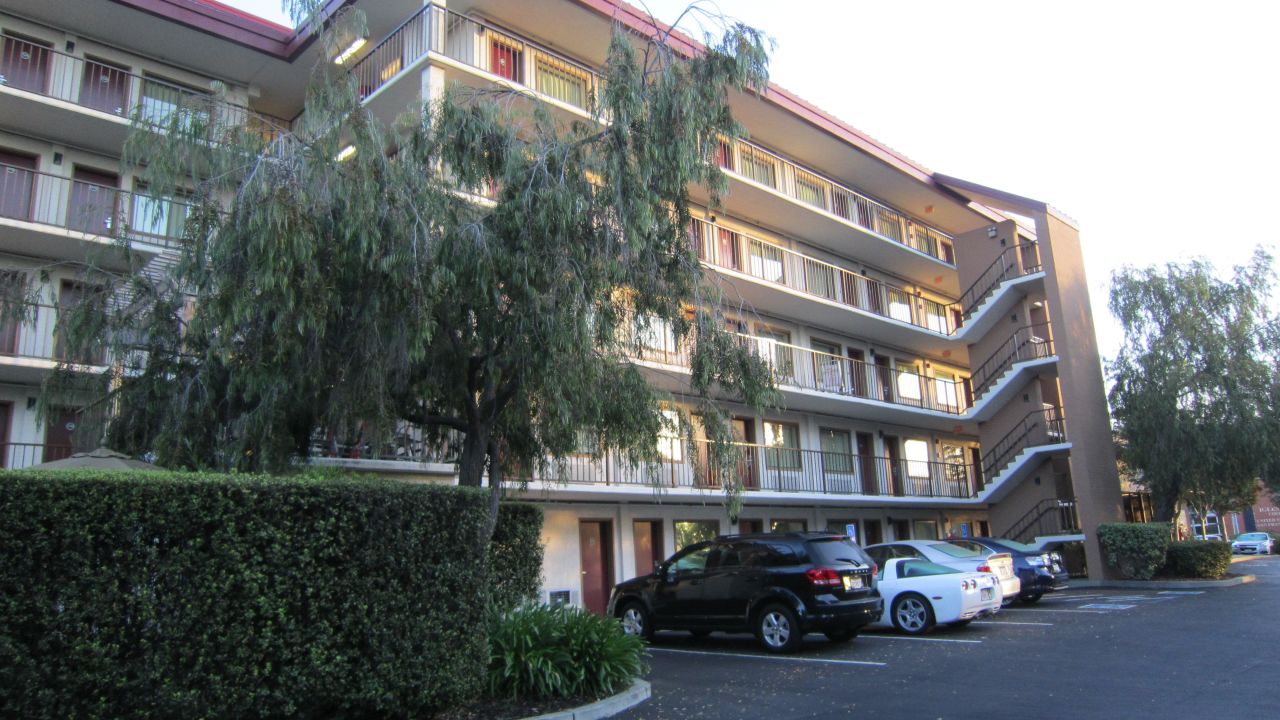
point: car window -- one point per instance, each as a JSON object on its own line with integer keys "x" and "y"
{"x": 907, "y": 552}
{"x": 836, "y": 549}
{"x": 782, "y": 554}
{"x": 695, "y": 561}
{"x": 724, "y": 556}
{"x": 1253, "y": 536}
{"x": 955, "y": 551}
{"x": 922, "y": 568}
{"x": 978, "y": 548}
{"x": 1020, "y": 547}
{"x": 881, "y": 554}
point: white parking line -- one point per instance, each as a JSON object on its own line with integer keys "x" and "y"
{"x": 1058, "y": 610}
{"x": 1107, "y": 606}
{"x": 1181, "y": 592}
{"x": 921, "y": 639}
{"x": 788, "y": 658}
{"x": 1008, "y": 622}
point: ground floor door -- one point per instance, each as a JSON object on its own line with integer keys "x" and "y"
{"x": 6, "y": 413}
{"x": 874, "y": 533}
{"x": 648, "y": 543}
{"x": 595, "y": 542}
{"x": 59, "y": 432}
{"x": 747, "y": 527}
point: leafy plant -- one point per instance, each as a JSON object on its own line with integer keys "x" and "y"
{"x": 1137, "y": 550}
{"x": 538, "y": 651}
{"x": 1198, "y": 559}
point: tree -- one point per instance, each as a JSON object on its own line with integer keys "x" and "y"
{"x": 1196, "y": 382}
{"x": 347, "y": 277}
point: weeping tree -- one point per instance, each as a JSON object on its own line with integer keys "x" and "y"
{"x": 1196, "y": 383}
{"x": 484, "y": 268}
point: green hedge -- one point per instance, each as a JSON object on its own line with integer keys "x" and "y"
{"x": 153, "y": 595}
{"x": 515, "y": 555}
{"x": 1137, "y": 550}
{"x": 1198, "y": 559}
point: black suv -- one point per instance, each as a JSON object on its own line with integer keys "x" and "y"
{"x": 778, "y": 586}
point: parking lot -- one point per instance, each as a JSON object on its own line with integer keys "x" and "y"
{"x": 1080, "y": 653}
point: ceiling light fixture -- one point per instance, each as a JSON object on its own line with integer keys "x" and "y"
{"x": 345, "y": 153}
{"x": 352, "y": 49}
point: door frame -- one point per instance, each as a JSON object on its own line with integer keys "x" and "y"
{"x": 608, "y": 578}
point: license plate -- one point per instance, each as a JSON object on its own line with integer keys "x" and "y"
{"x": 988, "y": 593}
{"x": 852, "y": 582}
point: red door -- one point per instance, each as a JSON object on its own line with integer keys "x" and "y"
{"x": 744, "y": 432}
{"x": 597, "y": 567}
{"x": 867, "y": 465}
{"x": 94, "y": 198}
{"x": 25, "y": 65}
{"x": 648, "y": 542}
{"x": 71, "y": 294}
{"x": 747, "y": 527}
{"x": 59, "y": 429}
{"x": 727, "y": 249}
{"x": 505, "y": 60}
{"x": 17, "y": 185}
{"x": 104, "y": 87}
{"x": 6, "y": 412}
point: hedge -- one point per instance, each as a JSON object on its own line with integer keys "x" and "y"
{"x": 156, "y": 595}
{"x": 1137, "y": 550}
{"x": 515, "y": 555}
{"x": 1198, "y": 559}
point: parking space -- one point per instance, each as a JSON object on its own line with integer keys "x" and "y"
{"x": 1138, "y": 654}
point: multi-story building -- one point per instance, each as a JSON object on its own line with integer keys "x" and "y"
{"x": 932, "y": 338}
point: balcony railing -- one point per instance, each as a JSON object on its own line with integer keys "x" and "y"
{"x": 1031, "y": 342}
{"x": 1039, "y": 427}
{"x": 1021, "y": 259}
{"x": 30, "y": 330}
{"x": 482, "y": 46}
{"x": 16, "y": 456}
{"x": 62, "y": 202}
{"x": 808, "y": 369}
{"x": 761, "y": 259}
{"x": 407, "y": 444}
{"x": 108, "y": 88}
{"x": 776, "y": 469}
{"x": 759, "y": 165}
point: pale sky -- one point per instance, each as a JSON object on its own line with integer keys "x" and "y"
{"x": 1152, "y": 124}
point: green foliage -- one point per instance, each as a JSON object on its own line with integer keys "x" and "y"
{"x": 157, "y": 595}
{"x": 1198, "y": 559}
{"x": 1197, "y": 383}
{"x": 515, "y": 556}
{"x": 1137, "y": 550}
{"x": 560, "y": 652}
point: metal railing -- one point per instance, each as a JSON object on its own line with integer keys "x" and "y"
{"x": 109, "y": 88}
{"x": 767, "y": 168}
{"x": 1030, "y": 342}
{"x": 407, "y": 444}
{"x": 1051, "y": 516}
{"x": 1040, "y": 427}
{"x": 770, "y": 468}
{"x": 480, "y": 45}
{"x": 1012, "y": 262}
{"x": 62, "y": 202}
{"x": 761, "y": 259}
{"x": 18, "y": 455}
{"x": 31, "y": 330}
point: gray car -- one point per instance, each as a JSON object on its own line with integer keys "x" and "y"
{"x": 1254, "y": 543}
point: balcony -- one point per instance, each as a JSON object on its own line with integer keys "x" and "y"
{"x": 46, "y": 215}
{"x": 772, "y": 472}
{"x": 30, "y": 345}
{"x": 16, "y": 456}
{"x": 42, "y": 84}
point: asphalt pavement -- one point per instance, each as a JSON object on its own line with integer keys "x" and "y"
{"x": 1086, "y": 653}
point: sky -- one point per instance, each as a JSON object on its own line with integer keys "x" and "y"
{"x": 1152, "y": 124}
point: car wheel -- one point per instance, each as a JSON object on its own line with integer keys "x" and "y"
{"x": 912, "y": 614}
{"x": 777, "y": 629}
{"x": 1031, "y": 599}
{"x": 842, "y": 636}
{"x": 699, "y": 634}
{"x": 635, "y": 620}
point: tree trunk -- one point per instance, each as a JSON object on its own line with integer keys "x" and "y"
{"x": 1165, "y": 507}
{"x": 495, "y": 490}
{"x": 471, "y": 462}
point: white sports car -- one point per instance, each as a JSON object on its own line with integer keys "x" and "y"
{"x": 919, "y": 594}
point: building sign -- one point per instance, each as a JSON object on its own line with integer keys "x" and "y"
{"x": 1266, "y": 515}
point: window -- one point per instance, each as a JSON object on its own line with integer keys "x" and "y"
{"x": 917, "y": 456}
{"x": 561, "y": 80}
{"x": 935, "y": 317}
{"x": 655, "y": 334}
{"x": 899, "y": 304}
{"x": 758, "y": 166}
{"x": 158, "y": 216}
{"x": 506, "y": 57}
{"x": 162, "y": 100}
{"x": 783, "y": 526}
{"x": 908, "y": 381}
{"x": 767, "y": 261}
{"x": 811, "y": 189}
{"x": 837, "y": 451}
{"x": 779, "y": 355}
{"x": 783, "y": 441}
{"x": 828, "y": 366}
{"x": 692, "y": 532}
{"x": 670, "y": 441}
{"x": 954, "y": 550}
{"x": 946, "y": 388}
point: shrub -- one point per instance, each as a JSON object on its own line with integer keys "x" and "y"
{"x": 540, "y": 651}
{"x": 187, "y": 595}
{"x": 1198, "y": 559}
{"x": 1137, "y": 550}
{"x": 515, "y": 556}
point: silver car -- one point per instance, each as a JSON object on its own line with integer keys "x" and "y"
{"x": 1254, "y": 543}
{"x": 960, "y": 558}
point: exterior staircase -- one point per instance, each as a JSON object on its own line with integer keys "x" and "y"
{"x": 1041, "y": 433}
{"x": 1050, "y": 518}
{"x": 1028, "y": 343}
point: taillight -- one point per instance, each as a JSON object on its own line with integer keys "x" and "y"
{"x": 983, "y": 568}
{"x": 875, "y": 569}
{"x": 824, "y": 577}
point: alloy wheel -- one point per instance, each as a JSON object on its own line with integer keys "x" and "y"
{"x": 775, "y": 628}
{"x": 632, "y": 621}
{"x": 912, "y": 615}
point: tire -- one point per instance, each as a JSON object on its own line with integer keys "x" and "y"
{"x": 635, "y": 620}
{"x": 699, "y": 634}
{"x": 912, "y": 614}
{"x": 778, "y": 629}
{"x": 842, "y": 636}
{"x": 960, "y": 623}
{"x": 1031, "y": 599}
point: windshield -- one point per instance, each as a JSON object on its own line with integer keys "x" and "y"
{"x": 1253, "y": 536}
{"x": 827, "y": 551}
{"x": 921, "y": 568}
{"x": 1015, "y": 545}
{"x": 955, "y": 550}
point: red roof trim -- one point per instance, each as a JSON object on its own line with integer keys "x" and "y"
{"x": 233, "y": 25}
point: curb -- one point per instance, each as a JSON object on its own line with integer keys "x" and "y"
{"x": 608, "y": 707}
{"x": 1165, "y": 584}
